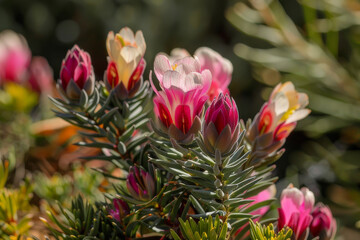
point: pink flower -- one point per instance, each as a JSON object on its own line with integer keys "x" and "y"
{"x": 184, "y": 92}
{"x": 120, "y": 209}
{"x": 260, "y": 197}
{"x": 323, "y": 224}
{"x": 276, "y": 120}
{"x": 77, "y": 73}
{"x": 295, "y": 211}
{"x": 220, "y": 68}
{"x": 15, "y": 57}
{"x": 41, "y": 75}
{"x": 221, "y": 126}
{"x": 140, "y": 184}
{"x": 126, "y": 63}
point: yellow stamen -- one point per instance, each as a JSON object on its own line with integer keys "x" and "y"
{"x": 174, "y": 67}
{"x": 120, "y": 39}
{"x": 288, "y": 114}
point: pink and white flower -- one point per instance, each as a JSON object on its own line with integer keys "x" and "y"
{"x": 125, "y": 62}
{"x": 221, "y": 68}
{"x": 15, "y": 57}
{"x": 184, "y": 92}
{"x": 277, "y": 119}
{"x": 295, "y": 211}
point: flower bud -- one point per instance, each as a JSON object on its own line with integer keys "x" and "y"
{"x": 295, "y": 210}
{"x": 120, "y": 209}
{"x": 15, "y": 57}
{"x": 126, "y": 63}
{"x": 323, "y": 224}
{"x": 221, "y": 125}
{"x": 140, "y": 184}
{"x": 41, "y": 75}
{"x": 76, "y": 74}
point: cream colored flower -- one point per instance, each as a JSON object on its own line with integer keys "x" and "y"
{"x": 125, "y": 50}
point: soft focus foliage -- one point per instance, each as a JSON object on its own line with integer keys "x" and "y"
{"x": 259, "y": 232}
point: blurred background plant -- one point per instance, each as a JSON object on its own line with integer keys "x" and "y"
{"x": 16, "y": 218}
{"x": 319, "y": 53}
{"x": 314, "y": 44}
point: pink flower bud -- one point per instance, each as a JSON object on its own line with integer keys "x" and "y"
{"x": 295, "y": 211}
{"x": 323, "y": 224}
{"x": 15, "y": 57}
{"x": 221, "y": 126}
{"x": 41, "y": 75}
{"x": 140, "y": 184}
{"x": 120, "y": 209}
{"x": 77, "y": 73}
{"x": 184, "y": 92}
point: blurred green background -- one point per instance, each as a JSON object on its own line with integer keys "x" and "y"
{"x": 315, "y": 44}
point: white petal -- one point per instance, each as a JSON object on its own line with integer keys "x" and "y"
{"x": 127, "y": 34}
{"x": 281, "y": 103}
{"x": 130, "y": 54}
{"x": 140, "y": 42}
{"x": 298, "y": 115}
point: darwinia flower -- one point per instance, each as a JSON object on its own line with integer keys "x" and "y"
{"x": 323, "y": 224}
{"x": 221, "y": 125}
{"x": 41, "y": 75}
{"x": 221, "y": 70}
{"x": 276, "y": 120}
{"x": 140, "y": 184}
{"x": 125, "y": 62}
{"x": 184, "y": 92}
{"x": 76, "y": 74}
{"x": 120, "y": 209}
{"x": 295, "y": 211}
{"x": 15, "y": 57}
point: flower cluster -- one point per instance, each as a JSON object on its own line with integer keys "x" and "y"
{"x": 199, "y": 160}
{"x": 297, "y": 211}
